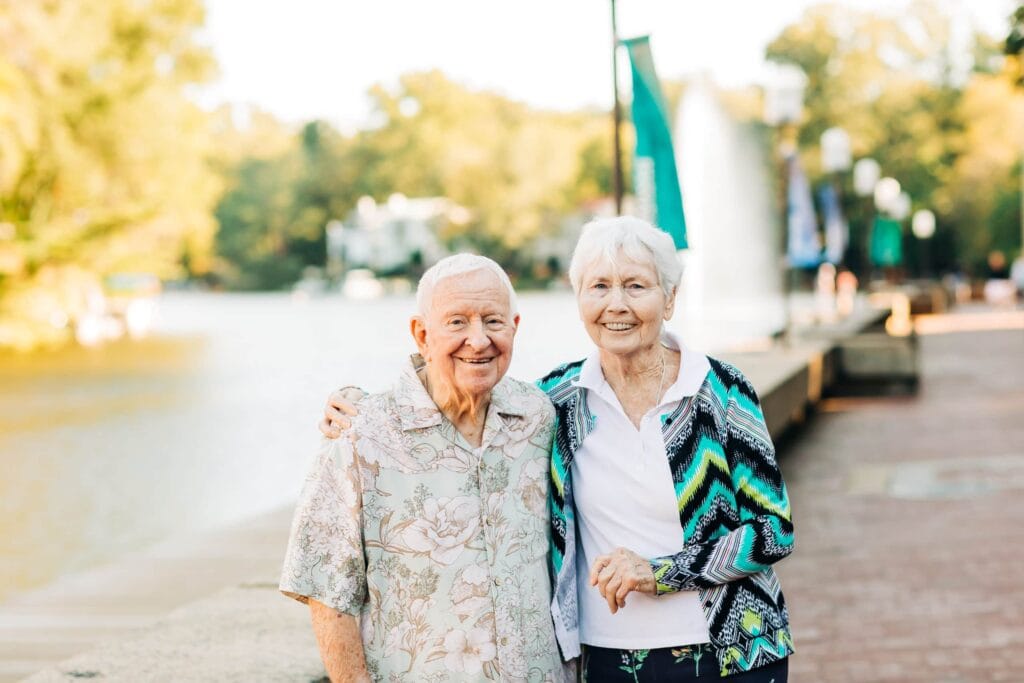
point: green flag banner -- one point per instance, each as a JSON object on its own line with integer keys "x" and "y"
{"x": 886, "y": 242}
{"x": 656, "y": 182}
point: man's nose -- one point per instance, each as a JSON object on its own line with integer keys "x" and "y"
{"x": 477, "y": 336}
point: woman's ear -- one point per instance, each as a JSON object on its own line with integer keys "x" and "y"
{"x": 670, "y": 304}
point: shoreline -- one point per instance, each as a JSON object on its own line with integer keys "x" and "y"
{"x": 43, "y": 626}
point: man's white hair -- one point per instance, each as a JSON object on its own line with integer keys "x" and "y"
{"x": 610, "y": 239}
{"x": 459, "y": 264}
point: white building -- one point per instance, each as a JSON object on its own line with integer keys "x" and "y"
{"x": 391, "y": 236}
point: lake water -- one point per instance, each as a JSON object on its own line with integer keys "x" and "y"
{"x": 211, "y": 420}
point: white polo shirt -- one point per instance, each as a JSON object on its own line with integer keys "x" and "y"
{"x": 624, "y": 496}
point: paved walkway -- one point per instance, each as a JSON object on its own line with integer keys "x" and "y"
{"x": 909, "y": 563}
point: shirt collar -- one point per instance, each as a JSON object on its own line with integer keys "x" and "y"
{"x": 693, "y": 368}
{"x": 417, "y": 409}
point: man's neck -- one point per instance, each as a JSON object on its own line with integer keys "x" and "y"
{"x": 467, "y": 413}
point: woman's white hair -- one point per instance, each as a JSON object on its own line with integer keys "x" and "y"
{"x": 459, "y": 264}
{"x": 611, "y": 239}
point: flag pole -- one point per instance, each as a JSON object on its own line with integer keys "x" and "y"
{"x": 616, "y": 117}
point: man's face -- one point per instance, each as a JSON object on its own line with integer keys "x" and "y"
{"x": 466, "y": 336}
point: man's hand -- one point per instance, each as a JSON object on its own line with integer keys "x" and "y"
{"x": 341, "y": 646}
{"x": 620, "y": 572}
{"x": 340, "y": 404}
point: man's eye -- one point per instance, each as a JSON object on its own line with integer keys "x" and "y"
{"x": 456, "y": 322}
{"x": 495, "y": 321}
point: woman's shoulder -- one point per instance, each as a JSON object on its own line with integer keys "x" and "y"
{"x": 730, "y": 378}
{"x": 561, "y": 374}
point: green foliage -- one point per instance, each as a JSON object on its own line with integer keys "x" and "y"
{"x": 1014, "y": 45}
{"x": 890, "y": 83}
{"x": 102, "y": 163}
{"x": 517, "y": 170}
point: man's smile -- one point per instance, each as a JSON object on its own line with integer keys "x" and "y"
{"x": 476, "y": 361}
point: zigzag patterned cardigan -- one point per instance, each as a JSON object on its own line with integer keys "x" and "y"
{"x": 733, "y": 508}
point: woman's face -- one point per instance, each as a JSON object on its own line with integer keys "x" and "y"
{"x": 467, "y": 335}
{"x": 622, "y": 305}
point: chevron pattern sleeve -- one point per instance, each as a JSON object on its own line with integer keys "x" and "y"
{"x": 747, "y": 528}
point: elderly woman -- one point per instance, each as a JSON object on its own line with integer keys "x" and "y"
{"x": 668, "y": 507}
{"x": 420, "y": 543}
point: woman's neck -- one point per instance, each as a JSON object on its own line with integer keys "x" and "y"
{"x": 466, "y": 412}
{"x": 645, "y": 363}
{"x": 639, "y": 380}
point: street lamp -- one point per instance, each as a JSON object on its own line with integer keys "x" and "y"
{"x": 900, "y": 207}
{"x": 783, "y": 107}
{"x": 835, "y": 151}
{"x": 923, "y": 224}
{"x": 784, "y": 94}
{"x": 923, "y": 227}
{"x": 865, "y": 176}
{"x": 866, "y": 173}
{"x": 887, "y": 193}
{"x": 835, "y": 159}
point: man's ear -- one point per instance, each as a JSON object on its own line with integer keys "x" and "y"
{"x": 515, "y": 322}
{"x": 418, "y": 328}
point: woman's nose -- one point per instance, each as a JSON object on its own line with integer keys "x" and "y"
{"x": 617, "y": 298}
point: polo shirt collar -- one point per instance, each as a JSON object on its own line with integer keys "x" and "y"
{"x": 693, "y": 369}
{"x": 417, "y": 409}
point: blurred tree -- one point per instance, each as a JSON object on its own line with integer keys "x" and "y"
{"x": 893, "y": 84}
{"x": 254, "y": 217}
{"x": 273, "y": 216}
{"x": 517, "y": 170}
{"x": 102, "y": 157}
{"x": 982, "y": 201}
{"x": 1014, "y": 45}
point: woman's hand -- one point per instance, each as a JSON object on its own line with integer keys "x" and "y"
{"x": 620, "y": 572}
{"x": 340, "y": 404}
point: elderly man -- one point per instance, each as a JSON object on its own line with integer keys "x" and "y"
{"x": 420, "y": 540}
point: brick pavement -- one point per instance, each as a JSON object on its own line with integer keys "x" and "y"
{"x": 908, "y": 563}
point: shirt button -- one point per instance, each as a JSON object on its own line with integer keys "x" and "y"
{"x": 497, "y": 582}
{"x": 504, "y": 640}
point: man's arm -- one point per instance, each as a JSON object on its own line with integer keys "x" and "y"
{"x": 341, "y": 646}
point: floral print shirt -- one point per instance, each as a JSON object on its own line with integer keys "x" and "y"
{"x": 438, "y": 547}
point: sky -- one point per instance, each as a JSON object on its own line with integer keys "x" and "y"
{"x": 306, "y": 59}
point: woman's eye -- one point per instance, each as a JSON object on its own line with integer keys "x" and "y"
{"x": 599, "y": 285}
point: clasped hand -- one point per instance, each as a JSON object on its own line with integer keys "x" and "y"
{"x": 619, "y": 573}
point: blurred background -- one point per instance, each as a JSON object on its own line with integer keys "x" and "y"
{"x": 211, "y": 211}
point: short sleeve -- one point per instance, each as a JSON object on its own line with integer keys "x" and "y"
{"x": 325, "y": 559}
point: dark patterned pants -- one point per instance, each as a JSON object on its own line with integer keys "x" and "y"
{"x": 669, "y": 665}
